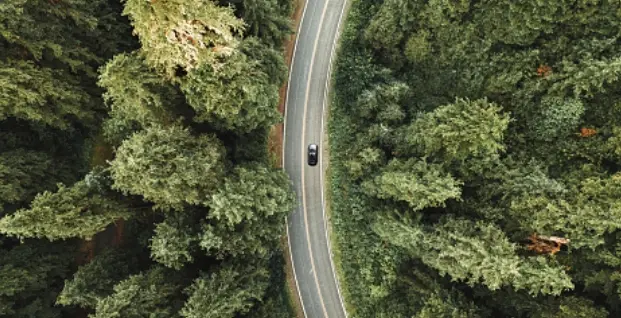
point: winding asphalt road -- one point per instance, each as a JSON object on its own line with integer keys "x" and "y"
{"x": 304, "y": 123}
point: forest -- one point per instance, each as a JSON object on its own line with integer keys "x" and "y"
{"x": 135, "y": 176}
{"x": 476, "y": 152}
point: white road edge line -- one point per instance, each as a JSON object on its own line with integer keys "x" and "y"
{"x": 321, "y": 175}
{"x": 303, "y": 150}
{"x": 284, "y": 139}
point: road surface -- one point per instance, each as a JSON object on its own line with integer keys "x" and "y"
{"x": 304, "y": 123}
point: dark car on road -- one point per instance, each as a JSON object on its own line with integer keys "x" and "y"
{"x": 313, "y": 154}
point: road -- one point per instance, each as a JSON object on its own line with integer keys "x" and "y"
{"x": 304, "y": 123}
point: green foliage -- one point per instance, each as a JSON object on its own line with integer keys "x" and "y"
{"x": 460, "y": 130}
{"x": 238, "y": 95}
{"x": 22, "y": 173}
{"x": 558, "y": 118}
{"x": 553, "y": 66}
{"x": 585, "y": 215}
{"x": 269, "y": 60}
{"x": 416, "y": 182}
{"x": 436, "y": 306}
{"x": 224, "y": 293}
{"x": 152, "y": 294}
{"x": 95, "y": 280}
{"x": 169, "y": 166}
{"x": 29, "y": 278}
{"x": 173, "y": 242}
{"x": 267, "y": 20}
{"x": 43, "y": 95}
{"x": 248, "y": 213}
{"x": 134, "y": 92}
{"x": 253, "y": 192}
{"x": 383, "y": 103}
{"x": 78, "y": 211}
{"x": 183, "y": 35}
{"x": 475, "y": 253}
{"x": 575, "y": 307}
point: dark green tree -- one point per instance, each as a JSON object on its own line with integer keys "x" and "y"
{"x": 95, "y": 280}
{"x": 22, "y": 174}
{"x": 31, "y": 276}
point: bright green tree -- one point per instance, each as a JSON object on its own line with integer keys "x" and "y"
{"x": 183, "y": 35}
{"x": 460, "y": 130}
{"x": 169, "y": 166}
{"x": 226, "y": 292}
{"x": 135, "y": 92}
{"x": 76, "y": 211}
{"x": 173, "y": 242}
{"x": 237, "y": 95}
{"x": 416, "y": 182}
{"x": 247, "y": 214}
{"x": 584, "y": 215}
{"x": 252, "y": 193}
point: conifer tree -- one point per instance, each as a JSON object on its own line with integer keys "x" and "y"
{"x": 95, "y": 280}
{"x": 236, "y": 96}
{"x": 181, "y": 36}
{"x": 77, "y": 211}
{"x": 416, "y": 182}
{"x": 475, "y": 252}
{"x": 226, "y": 292}
{"x": 169, "y": 166}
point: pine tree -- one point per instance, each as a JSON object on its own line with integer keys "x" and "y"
{"x": 236, "y": 96}
{"x": 226, "y": 292}
{"x": 153, "y": 293}
{"x": 135, "y": 92}
{"x": 30, "y": 274}
{"x": 416, "y": 182}
{"x": 584, "y": 215}
{"x": 43, "y": 95}
{"x": 247, "y": 215}
{"x": 460, "y": 130}
{"x": 174, "y": 241}
{"x": 22, "y": 174}
{"x": 169, "y": 166}
{"x": 267, "y": 20}
{"x": 77, "y": 211}
{"x": 183, "y": 35}
{"x": 95, "y": 280}
{"x": 475, "y": 252}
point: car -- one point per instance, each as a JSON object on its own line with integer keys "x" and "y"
{"x": 313, "y": 154}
